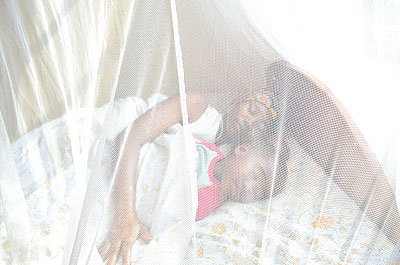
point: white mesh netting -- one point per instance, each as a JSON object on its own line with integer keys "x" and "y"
{"x": 199, "y": 132}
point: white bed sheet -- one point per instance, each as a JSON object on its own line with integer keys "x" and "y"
{"x": 297, "y": 230}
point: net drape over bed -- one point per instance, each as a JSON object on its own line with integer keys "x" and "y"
{"x": 76, "y": 79}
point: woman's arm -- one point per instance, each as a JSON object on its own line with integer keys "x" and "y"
{"x": 126, "y": 227}
{"x": 147, "y": 127}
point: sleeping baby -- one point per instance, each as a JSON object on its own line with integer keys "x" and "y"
{"x": 255, "y": 169}
{"x": 245, "y": 176}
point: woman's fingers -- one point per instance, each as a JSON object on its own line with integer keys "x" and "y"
{"x": 104, "y": 249}
{"x": 110, "y": 251}
{"x": 113, "y": 259}
{"x": 121, "y": 239}
{"x": 126, "y": 253}
{"x": 145, "y": 234}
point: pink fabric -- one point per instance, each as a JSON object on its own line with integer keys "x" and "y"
{"x": 210, "y": 197}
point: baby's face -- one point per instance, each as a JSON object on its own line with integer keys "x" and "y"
{"x": 247, "y": 176}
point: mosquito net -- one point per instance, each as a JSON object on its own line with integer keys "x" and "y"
{"x": 199, "y": 132}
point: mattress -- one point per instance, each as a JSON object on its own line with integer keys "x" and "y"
{"x": 312, "y": 222}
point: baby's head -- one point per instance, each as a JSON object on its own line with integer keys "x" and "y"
{"x": 248, "y": 174}
{"x": 249, "y": 117}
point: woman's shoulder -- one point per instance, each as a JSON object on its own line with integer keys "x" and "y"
{"x": 196, "y": 105}
{"x": 205, "y": 128}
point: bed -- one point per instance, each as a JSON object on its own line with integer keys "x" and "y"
{"x": 312, "y": 222}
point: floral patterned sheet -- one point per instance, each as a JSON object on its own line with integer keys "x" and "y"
{"x": 303, "y": 225}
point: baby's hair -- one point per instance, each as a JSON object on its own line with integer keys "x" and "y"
{"x": 271, "y": 149}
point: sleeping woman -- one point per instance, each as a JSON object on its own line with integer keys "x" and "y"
{"x": 246, "y": 175}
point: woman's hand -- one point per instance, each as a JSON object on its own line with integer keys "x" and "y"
{"x": 126, "y": 229}
{"x": 124, "y": 232}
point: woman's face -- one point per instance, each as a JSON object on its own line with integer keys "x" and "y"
{"x": 247, "y": 121}
{"x": 247, "y": 176}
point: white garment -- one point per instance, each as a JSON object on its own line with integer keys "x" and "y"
{"x": 162, "y": 182}
{"x": 49, "y": 185}
{"x": 206, "y": 127}
{"x": 128, "y": 109}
